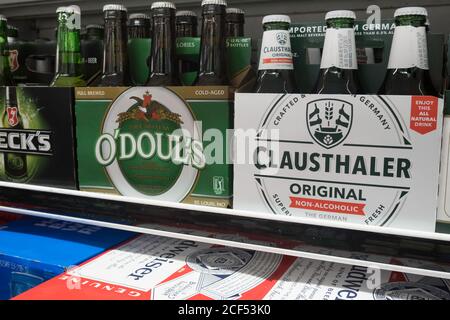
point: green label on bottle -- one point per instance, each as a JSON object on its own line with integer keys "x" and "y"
{"x": 239, "y": 54}
{"x": 139, "y": 51}
{"x": 187, "y": 46}
{"x": 188, "y": 52}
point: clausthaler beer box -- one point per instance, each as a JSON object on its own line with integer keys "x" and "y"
{"x": 37, "y": 136}
{"x": 364, "y": 159}
{"x": 156, "y": 268}
{"x": 156, "y": 143}
{"x": 444, "y": 182}
{"x": 444, "y": 179}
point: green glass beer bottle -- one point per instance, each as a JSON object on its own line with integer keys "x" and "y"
{"x": 339, "y": 65}
{"x": 163, "y": 61}
{"x": 6, "y": 78}
{"x": 15, "y": 163}
{"x": 115, "y": 57}
{"x": 13, "y": 34}
{"x": 68, "y": 60}
{"x": 213, "y": 59}
{"x": 139, "y": 26}
{"x": 92, "y": 52}
{"x": 276, "y": 66}
{"x": 408, "y": 68}
{"x": 235, "y": 22}
{"x": 186, "y": 27}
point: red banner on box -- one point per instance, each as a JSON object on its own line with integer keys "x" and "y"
{"x": 424, "y": 113}
{"x": 328, "y": 206}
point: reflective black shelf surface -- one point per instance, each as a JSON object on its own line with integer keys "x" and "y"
{"x": 413, "y": 252}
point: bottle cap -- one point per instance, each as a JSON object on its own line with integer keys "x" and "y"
{"x": 139, "y": 16}
{"x": 214, "y": 2}
{"x": 163, "y": 4}
{"x": 73, "y": 9}
{"x": 186, "y": 13}
{"x": 339, "y": 14}
{"x": 411, "y": 11}
{"x": 3, "y": 18}
{"x": 276, "y": 18}
{"x": 114, "y": 7}
{"x": 235, "y": 11}
{"x": 60, "y": 9}
{"x": 95, "y": 26}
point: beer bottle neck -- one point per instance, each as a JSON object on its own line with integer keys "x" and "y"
{"x": 115, "y": 45}
{"x": 212, "y": 69}
{"x": 414, "y": 21}
{"x": 4, "y": 38}
{"x": 409, "y": 45}
{"x": 5, "y": 71}
{"x": 276, "y": 53}
{"x": 94, "y": 35}
{"x": 235, "y": 25}
{"x": 139, "y": 29}
{"x": 163, "y": 61}
{"x": 341, "y": 23}
{"x": 69, "y": 56}
{"x": 339, "y": 39}
{"x": 234, "y": 29}
{"x": 186, "y": 30}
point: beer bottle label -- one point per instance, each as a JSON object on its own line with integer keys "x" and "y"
{"x": 339, "y": 49}
{"x": 276, "y": 51}
{"x": 409, "y": 48}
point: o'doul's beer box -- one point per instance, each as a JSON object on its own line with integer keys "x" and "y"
{"x": 371, "y": 160}
{"x": 156, "y": 143}
{"x": 37, "y": 136}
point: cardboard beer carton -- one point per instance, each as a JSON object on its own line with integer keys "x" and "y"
{"x": 34, "y": 250}
{"x": 444, "y": 178}
{"x": 37, "y": 137}
{"x": 156, "y": 268}
{"x": 156, "y": 143}
{"x": 364, "y": 159}
{"x": 444, "y": 181}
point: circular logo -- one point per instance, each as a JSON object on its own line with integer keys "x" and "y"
{"x": 219, "y": 261}
{"x": 282, "y": 38}
{"x": 147, "y": 131}
{"x": 409, "y": 291}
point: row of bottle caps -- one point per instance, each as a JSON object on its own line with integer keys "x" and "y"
{"x": 408, "y": 65}
{"x": 140, "y": 24}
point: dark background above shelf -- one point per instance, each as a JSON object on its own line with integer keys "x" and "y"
{"x": 36, "y": 17}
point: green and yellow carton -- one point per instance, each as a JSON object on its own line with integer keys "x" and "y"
{"x": 156, "y": 143}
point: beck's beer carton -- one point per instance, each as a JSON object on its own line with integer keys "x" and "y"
{"x": 37, "y": 136}
{"x": 364, "y": 159}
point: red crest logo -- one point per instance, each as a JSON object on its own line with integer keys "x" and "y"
{"x": 14, "y": 60}
{"x": 13, "y": 120}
